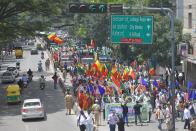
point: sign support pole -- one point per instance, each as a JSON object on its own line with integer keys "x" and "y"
{"x": 171, "y": 14}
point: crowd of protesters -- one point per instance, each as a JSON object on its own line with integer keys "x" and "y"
{"x": 97, "y": 84}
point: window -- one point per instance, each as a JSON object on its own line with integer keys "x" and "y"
{"x": 32, "y": 104}
{"x": 189, "y": 20}
{"x": 190, "y": 6}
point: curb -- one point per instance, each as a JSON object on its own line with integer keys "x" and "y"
{"x": 76, "y": 107}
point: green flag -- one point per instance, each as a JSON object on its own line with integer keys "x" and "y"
{"x": 122, "y": 86}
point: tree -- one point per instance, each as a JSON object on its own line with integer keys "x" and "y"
{"x": 158, "y": 3}
{"x": 187, "y": 37}
{"x": 24, "y": 17}
{"x": 98, "y": 27}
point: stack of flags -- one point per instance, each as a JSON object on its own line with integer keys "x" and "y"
{"x": 53, "y": 37}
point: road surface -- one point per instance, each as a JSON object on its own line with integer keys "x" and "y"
{"x": 10, "y": 117}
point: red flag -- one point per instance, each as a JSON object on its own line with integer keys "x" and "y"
{"x": 152, "y": 71}
{"x": 126, "y": 76}
{"x": 133, "y": 75}
{"x": 105, "y": 73}
{"x": 119, "y": 77}
{"x": 117, "y": 83}
{"x": 86, "y": 45}
{"x": 92, "y": 43}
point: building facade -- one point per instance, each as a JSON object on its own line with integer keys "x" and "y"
{"x": 186, "y": 12}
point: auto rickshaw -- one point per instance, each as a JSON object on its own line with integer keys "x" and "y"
{"x": 18, "y": 52}
{"x": 13, "y": 94}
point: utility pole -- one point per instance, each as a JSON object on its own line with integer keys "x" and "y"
{"x": 171, "y": 15}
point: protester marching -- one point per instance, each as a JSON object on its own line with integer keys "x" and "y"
{"x": 132, "y": 91}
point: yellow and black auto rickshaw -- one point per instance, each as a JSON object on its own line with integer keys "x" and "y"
{"x": 18, "y": 52}
{"x": 13, "y": 94}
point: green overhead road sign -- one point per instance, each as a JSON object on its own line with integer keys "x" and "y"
{"x": 132, "y": 29}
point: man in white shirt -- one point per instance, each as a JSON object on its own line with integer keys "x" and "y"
{"x": 89, "y": 121}
{"x": 81, "y": 121}
{"x": 187, "y": 117}
{"x": 112, "y": 120}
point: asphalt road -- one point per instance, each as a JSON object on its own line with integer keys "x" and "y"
{"x": 10, "y": 117}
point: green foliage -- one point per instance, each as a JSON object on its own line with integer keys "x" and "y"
{"x": 158, "y": 3}
{"x": 187, "y": 37}
{"x": 24, "y": 17}
{"x": 97, "y": 26}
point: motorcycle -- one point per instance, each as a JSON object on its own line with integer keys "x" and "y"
{"x": 42, "y": 82}
{"x": 42, "y": 56}
{"x": 18, "y": 65}
{"x": 40, "y": 69}
{"x": 30, "y": 78}
{"x": 25, "y": 84}
{"x": 42, "y": 86}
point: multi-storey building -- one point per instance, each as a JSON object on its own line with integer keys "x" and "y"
{"x": 186, "y": 12}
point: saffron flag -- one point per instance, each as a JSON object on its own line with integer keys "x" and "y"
{"x": 152, "y": 70}
{"x": 114, "y": 69}
{"x": 126, "y": 74}
{"x": 58, "y": 40}
{"x": 52, "y": 36}
{"x": 117, "y": 83}
{"x": 97, "y": 65}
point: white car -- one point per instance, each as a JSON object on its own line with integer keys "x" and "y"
{"x": 14, "y": 70}
{"x": 32, "y": 108}
{"x": 8, "y": 77}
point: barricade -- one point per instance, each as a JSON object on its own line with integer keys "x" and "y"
{"x": 76, "y": 107}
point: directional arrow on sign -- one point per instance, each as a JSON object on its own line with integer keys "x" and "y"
{"x": 148, "y": 26}
{"x": 148, "y": 34}
{"x": 148, "y": 19}
{"x": 92, "y": 8}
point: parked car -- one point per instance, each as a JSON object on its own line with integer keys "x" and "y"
{"x": 7, "y": 77}
{"x": 32, "y": 108}
{"x": 31, "y": 43}
{"x": 34, "y": 51}
{"x": 14, "y": 70}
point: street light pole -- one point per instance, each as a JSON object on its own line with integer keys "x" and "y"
{"x": 171, "y": 14}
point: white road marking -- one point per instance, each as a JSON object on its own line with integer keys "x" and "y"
{"x": 36, "y": 129}
{"x": 27, "y": 128}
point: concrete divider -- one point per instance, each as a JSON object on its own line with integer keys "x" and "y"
{"x": 76, "y": 107}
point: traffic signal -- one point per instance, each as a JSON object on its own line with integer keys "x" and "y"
{"x": 87, "y": 8}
